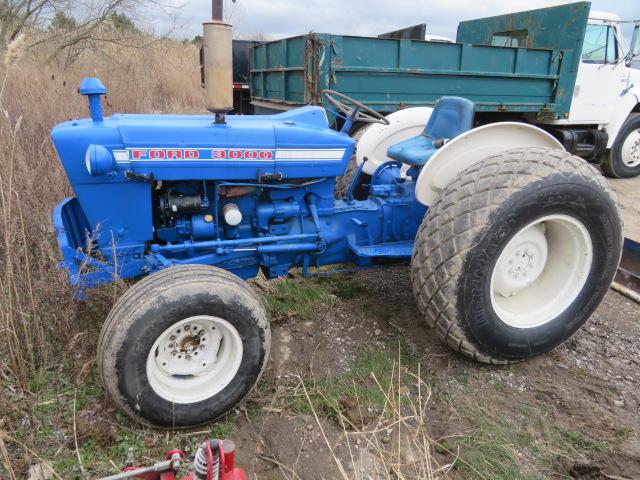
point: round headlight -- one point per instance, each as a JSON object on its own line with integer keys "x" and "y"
{"x": 99, "y": 160}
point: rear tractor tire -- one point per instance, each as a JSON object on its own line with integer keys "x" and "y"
{"x": 516, "y": 254}
{"x": 183, "y": 346}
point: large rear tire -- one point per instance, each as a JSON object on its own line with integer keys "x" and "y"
{"x": 183, "y": 346}
{"x": 516, "y": 254}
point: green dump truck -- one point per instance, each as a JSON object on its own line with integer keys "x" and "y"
{"x": 562, "y": 68}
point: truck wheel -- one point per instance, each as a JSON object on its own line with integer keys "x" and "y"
{"x": 183, "y": 346}
{"x": 516, "y": 253}
{"x": 623, "y": 161}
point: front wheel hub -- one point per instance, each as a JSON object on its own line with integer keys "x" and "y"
{"x": 194, "y": 359}
{"x": 631, "y": 149}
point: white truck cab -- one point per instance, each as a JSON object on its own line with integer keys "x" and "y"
{"x": 607, "y": 93}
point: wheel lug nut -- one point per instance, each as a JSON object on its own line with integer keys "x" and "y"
{"x": 174, "y": 353}
{"x": 188, "y": 357}
{"x": 187, "y": 327}
{"x": 201, "y": 347}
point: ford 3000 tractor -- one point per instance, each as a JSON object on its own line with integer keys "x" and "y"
{"x": 512, "y": 241}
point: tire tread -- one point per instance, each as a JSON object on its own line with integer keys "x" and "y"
{"x": 146, "y": 290}
{"x": 460, "y": 213}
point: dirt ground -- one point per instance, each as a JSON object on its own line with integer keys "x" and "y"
{"x": 573, "y": 413}
{"x": 628, "y": 190}
{"x": 333, "y": 403}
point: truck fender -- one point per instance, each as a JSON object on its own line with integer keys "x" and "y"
{"x": 472, "y": 147}
{"x": 626, "y": 105}
{"x": 377, "y": 138}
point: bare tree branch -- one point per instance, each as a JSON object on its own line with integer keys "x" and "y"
{"x": 64, "y": 24}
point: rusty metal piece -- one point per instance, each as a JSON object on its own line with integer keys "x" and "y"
{"x": 312, "y": 48}
{"x": 217, "y": 9}
{"x": 627, "y": 279}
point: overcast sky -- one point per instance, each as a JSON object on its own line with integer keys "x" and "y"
{"x": 281, "y": 18}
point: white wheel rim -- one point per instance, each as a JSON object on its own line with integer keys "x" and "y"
{"x": 194, "y": 359}
{"x": 631, "y": 149}
{"x": 541, "y": 271}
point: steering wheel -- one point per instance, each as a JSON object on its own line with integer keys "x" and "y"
{"x": 354, "y": 110}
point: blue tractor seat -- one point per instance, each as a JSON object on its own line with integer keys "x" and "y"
{"x": 451, "y": 116}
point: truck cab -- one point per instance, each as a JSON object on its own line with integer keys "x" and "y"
{"x": 601, "y": 75}
{"x": 605, "y": 106}
{"x": 605, "y": 82}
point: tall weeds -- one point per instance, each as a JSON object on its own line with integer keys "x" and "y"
{"x": 37, "y": 314}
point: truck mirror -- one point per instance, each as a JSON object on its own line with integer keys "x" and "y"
{"x": 634, "y": 48}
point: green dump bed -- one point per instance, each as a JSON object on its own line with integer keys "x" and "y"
{"x": 522, "y": 62}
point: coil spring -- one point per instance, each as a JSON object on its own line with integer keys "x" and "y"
{"x": 201, "y": 461}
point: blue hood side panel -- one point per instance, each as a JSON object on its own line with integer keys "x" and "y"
{"x": 297, "y": 144}
{"x": 117, "y": 209}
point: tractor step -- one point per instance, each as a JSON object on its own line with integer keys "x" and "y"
{"x": 389, "y": 250}
{"x": 627, "y": 280}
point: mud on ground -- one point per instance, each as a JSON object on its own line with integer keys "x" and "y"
{"x": 572, "y": 413}
{"x": 334, "y": 404}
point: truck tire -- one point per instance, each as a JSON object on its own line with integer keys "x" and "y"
{"x": 623, "y": 160}
{"x": 516, "y": 254}
{"x": 183, "y": 346}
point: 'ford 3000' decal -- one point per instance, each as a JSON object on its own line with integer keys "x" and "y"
{"x": 235, "y": 154}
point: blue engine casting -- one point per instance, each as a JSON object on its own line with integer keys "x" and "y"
{"x": 257, "y": 191}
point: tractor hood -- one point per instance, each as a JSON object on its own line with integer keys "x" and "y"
{"x": 294, "y": 144}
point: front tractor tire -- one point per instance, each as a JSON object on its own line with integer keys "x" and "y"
{"x": 183, "y": 346}
{"x": 516, "y": 254}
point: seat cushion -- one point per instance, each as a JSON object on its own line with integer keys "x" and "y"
{"x": 415, "y": 151}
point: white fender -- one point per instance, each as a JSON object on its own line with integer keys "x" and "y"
{"x": 473, "y": 146}
{"x": 377, "y": 138}
{"x": 624, "y": 106}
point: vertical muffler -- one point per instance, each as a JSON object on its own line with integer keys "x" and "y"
{"x": 217, "y": 63}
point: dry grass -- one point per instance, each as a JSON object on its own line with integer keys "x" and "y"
{"x": 38, "y": 319}
{"x": 373, "y": 422}
{"x": 397, "y": 444}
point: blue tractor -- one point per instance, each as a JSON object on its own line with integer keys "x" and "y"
{"x": 512, "y": 241}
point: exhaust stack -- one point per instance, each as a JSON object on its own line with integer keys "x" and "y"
{"x": 217, "y": 60}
